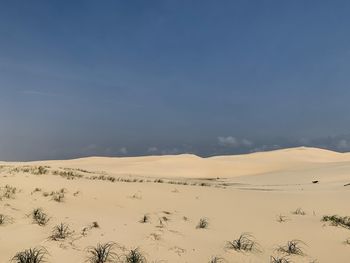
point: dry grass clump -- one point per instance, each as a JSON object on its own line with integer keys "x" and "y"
{"x": 293, "y": 247}
{"x": 145, "y": 219}
{"x": 299, "y": 211}
{"x": 37, "y": 170}
{"x": 203, "y": 223}
{"x": 32, "y": 255}
{"x": 134, "y": 256}
{"x": 279, "y": 259}
{"x": 60, "y": 232}
{"x": 246, "y": 243}
{"x": 7, "y": 192}
{"x": 102, "y": 253}
{"x": 58, "y": 196}
{"x": 67, "y": 174}
{"x": 4, "y": 219}
{"x": 336, "y": 220}
{"x": 281, "y": 219}
{"x": 216, "y": 259}
{"x": 103, "y": 178}
{"x": 40, "y": 217}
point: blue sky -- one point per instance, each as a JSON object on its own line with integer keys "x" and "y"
{"x": 118, "y": 78}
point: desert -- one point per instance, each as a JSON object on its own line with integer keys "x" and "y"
{"x": 180, "y": 208}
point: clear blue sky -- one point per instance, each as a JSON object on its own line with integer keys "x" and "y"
{"x": 117, "y": 78}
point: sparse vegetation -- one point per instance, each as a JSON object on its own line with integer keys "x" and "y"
{"x": 145, "y": 219}
{"x": 102, "y": 253}
{"x": 246, "y": 242}
{"x": 293, "y": 247}
{"x": 336, "y": 220}
{"x": 203, "y": 223}
{"x": 281, "y": 218}
{"x": 40, "y": 217}
{"x": 216, "y": 259}
{"x": 32, "y": 255}
{"x": 299, "y": 211}
{"x": 60, "y": 232}
{"x": 135, "y": 256}
{"x": 3, "y": 219}
{"x": 7, "y": 192}
{"x": 58, "y": 196}
{"x": 279, "y": 259}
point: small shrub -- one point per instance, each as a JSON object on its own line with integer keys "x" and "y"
{"x": 281, "y": 219}
{"x": 145, "y": 219}
{"x": 102, "y": 253}
{"x": 203, "y": 223}
{"x": 58, "y": 196}
{"x": 245, "y": 242}
{"x": 279, "y": 260}
{"x": 40, "y": 217}
{"x": 95, "y": 224}
{"x": 216, "y": 259}
{"x": 32, "y": 255}
{"x": 3, "y": 219}
{"x": 7, "y": 192}
{"x": 299, "y": 211}
{"x": 60, "y": 231}
{"x": 135, "y": 256}
{"x": 293, "y": 247}
{"x": 336, "y": 220}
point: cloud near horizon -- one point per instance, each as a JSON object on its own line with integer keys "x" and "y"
{"x": 233, "y": 142}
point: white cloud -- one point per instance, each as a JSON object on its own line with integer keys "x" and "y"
{"x": 247, "y": 143}
{"x": 228, "y": 141}
{"x": 233, "y": 142}
{"x": 152, "y": 149}
{"x": 123, "y": 150}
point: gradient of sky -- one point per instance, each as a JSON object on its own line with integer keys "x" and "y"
{"x": 118, "y": 78}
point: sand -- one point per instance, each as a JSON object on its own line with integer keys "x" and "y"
{"x": 236, "y": 194}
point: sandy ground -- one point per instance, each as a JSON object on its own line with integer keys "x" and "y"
{"x": 236, "y": 194}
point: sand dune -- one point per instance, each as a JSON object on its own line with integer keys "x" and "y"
{"x": 241, "y": 193}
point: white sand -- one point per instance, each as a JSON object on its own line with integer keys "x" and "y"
{"x": 243, "y": 193}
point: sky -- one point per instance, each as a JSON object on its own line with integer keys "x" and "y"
{"x": 126, "y": 78}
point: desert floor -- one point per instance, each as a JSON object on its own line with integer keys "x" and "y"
{"x": 235, "y": 194}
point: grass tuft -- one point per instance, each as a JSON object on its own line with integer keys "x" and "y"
{"x": 216, "y": 259}
{"x": 32, "y": 255}
{"x": 299, "y": 211}
{"x": 246, "y": 242}
{"x": 203, "y": 223}
{"x": 145, "y": 219}
{"x": 40, "y": 217}
{"x": 60, "y": 232}
{"x": 3, "y": 219}
{"x": 336, "y": 220}
{"x": 135, "y": 256}
{"x": 279, "y": 259}
{"x": 293, "y": 247}
{"x": 102, "y": 253}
